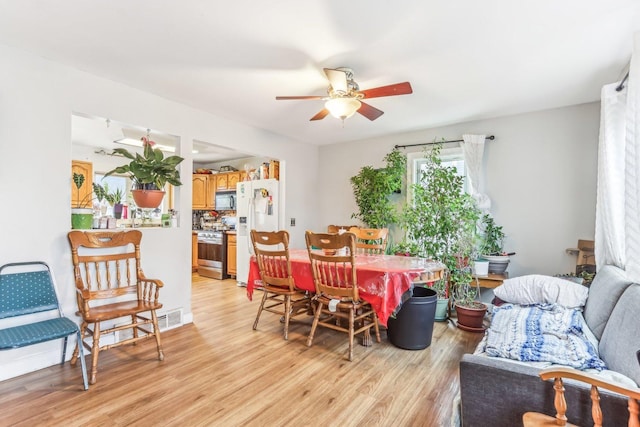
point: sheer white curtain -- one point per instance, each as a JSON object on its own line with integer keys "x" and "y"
{"x": 618, "y": 197}
{"x": 632, "y": 167}
{"x": 611, "y": 178}
{"x": 473, "y": 151}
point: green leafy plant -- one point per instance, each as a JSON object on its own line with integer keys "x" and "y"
{"x": 442, "y": 219}
{"x": 372, "y": 189}
{"x": 79, "y": 180}
{"x": 115, "y": 196}
{"x": 151, "y": 170}
{"x": 101, "y": 192}
{"x": 492, "y": 236}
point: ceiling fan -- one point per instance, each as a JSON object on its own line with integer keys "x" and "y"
{"x": 345, "y": 97}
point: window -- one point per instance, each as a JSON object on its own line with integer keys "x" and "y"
{"x": 450, "y": 157}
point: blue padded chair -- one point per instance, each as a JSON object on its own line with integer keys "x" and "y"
{"x": 27, "y": 288}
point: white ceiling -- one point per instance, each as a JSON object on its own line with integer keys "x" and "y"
{"x": 466, "y": 59}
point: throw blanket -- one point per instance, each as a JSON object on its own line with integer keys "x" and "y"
{"x": 541, "y": 333}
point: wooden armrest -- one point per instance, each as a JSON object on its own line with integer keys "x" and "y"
{"x": 159, "y": 283}
{"x": 574, "y": 374}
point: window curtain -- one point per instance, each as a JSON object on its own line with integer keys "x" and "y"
{"x": 473, "y": 151}
{"x": 617, "y": 236}
{"x": 611, "y": 178}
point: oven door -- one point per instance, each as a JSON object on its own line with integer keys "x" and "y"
{"x": 211, "y": 256}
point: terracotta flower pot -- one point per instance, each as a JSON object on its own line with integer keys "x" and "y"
{"x": 470, "y": 318}
{"x": 148, "y": 199}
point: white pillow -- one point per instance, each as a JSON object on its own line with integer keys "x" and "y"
{"x": 540, "y": 289}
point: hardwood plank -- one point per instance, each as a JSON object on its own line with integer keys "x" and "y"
{"x": 219, "y": 372}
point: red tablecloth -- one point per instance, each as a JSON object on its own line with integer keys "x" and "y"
{"x": 382, "y": 279}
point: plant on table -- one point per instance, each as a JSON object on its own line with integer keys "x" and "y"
{"x": 81, "y": 213}
{"x": 492, "y": 237}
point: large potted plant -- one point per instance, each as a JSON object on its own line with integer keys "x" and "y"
{"x": 373, "y": 188}
{"x": 441, "y": 221}
{"x": 150, "y": 172}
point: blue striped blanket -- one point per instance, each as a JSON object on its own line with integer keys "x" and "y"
{"x": 541, "y": 333}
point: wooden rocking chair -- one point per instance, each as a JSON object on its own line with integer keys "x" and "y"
{"x": 535, "y": 419}
{"x": 110, "y": 285}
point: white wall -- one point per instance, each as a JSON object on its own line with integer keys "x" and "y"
{"x": 540, "y": 175}
{"x": 36, "y": 102}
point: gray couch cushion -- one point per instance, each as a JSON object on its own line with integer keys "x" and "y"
{"x": 621, "y": 337}
{"x": 604, "y": 292}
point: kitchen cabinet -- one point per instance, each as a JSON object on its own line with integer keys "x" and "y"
{"x": 231, "y": 254}
{"x": 82, "y": 197}
{"x": 194, "y": 251}
{"x": 232, "y": 180}
{"x": 203, "y": 191}
{"x": 222, "y": 180}
{"x": 200, "y": 185}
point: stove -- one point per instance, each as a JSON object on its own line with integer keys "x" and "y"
{"x": 212, "y": 254}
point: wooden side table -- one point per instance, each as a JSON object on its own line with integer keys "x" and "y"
{"x": 492, "y": 280}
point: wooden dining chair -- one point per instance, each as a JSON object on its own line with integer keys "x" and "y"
{"x": 370, "y": 240}
{"x": 111, "y": 288}
{"x": 535, "y": 419}
{"x": 337, "y": 296}
{"x": 280, "y": 295}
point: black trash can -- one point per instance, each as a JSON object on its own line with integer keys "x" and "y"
{"x": 412, "y": 327}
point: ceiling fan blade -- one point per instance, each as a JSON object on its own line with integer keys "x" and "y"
{"x": 369, "y": 112}
{"x": 337, "y": 79}
{"x": 321, "y": 115}
{"x": 391, "y": 90}
{"x": 284, "y": 98}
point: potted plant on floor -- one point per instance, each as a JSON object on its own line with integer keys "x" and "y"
{"x": 442, "y": 303}
{"x": 81, "y": 213}
{"x": 469, "y": 312}
{"x": 441, "y": 220}
{"x": 149, "y": 173}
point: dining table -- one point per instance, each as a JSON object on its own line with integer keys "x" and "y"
{"x": 383, "y": 280}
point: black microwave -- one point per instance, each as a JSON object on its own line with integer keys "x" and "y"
{"x": 226, "y": 201}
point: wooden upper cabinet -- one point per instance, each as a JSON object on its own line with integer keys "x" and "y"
{"x": 211, "y": 192}
{"x": 82, "y": 198}
{"x": 199, "y": 197}
{"x": 232, "y": 180}
{"x": 222, "y": 181}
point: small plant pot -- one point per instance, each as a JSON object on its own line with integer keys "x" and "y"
{"x": 442, "y": 308}
{"x": 497, "y": 264}
{"x": 470, "y": 319}
{"x": 481, "y": 267}
{"x": 81, "y": 218}
{"x": 117, "y": 210}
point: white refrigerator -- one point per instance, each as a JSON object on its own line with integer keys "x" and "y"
{"x": 256, "y": 208}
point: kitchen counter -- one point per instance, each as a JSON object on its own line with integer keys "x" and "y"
{"x": 231, "y": 232}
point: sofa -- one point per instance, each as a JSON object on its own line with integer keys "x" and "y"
{"x": 495, "y": 391}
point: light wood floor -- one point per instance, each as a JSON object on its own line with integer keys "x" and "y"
{"x": 219, "y": 372}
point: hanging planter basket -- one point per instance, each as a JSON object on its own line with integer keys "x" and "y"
{"x": 147, "y": 199}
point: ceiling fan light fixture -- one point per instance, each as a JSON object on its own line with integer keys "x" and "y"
{"x": 342, "y": 108}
